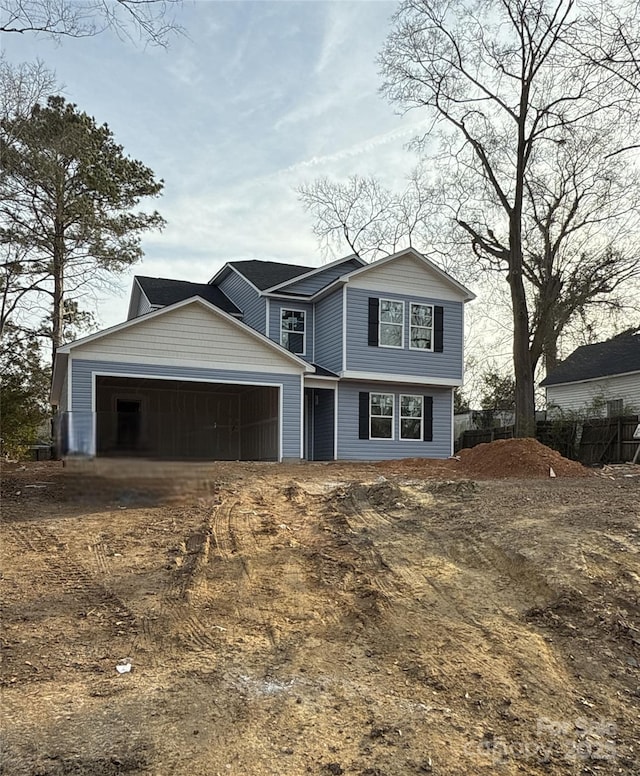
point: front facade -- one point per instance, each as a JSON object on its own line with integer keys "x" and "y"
{"x": 273, "y": 361}
{"x": 597, "y": 380}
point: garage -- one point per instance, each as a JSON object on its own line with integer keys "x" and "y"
{"x": 186, "y": 419}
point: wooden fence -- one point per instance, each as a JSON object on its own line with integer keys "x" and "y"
{"x": 594, "y": 441}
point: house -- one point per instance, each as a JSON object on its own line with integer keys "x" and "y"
{"x": 596, "y": 380}
{"x": 272, "y": 361}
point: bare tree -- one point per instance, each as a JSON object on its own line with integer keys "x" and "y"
{"x": 151, "y": 21}
{"x": 505, "y": 82}
{"x": 368, "y": 217}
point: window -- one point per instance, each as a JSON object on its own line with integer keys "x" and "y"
{"x": 292, "y": 330}
{"x": 411, "y": 417}
{"x": 391, "y": 324}
{"x": 421, "y": 332}
{"x": 381, "y": 416}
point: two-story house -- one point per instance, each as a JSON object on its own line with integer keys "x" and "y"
{"x": 272, "y": 361}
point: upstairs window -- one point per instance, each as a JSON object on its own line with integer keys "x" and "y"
{"x": 391, "y": 331}
{"x": 381, "y": 416}
{"x": 411, "y": 417}
{"x": 292, "y": 330}
{"x": 421, "y": 330}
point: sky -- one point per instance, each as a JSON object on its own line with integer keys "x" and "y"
{"x": 254, "y": 100}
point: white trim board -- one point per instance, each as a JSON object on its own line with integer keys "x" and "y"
{"x": 381, "y": 377}
{"x": 593, "y": 379}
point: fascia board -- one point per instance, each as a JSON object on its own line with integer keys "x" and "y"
{"x": 545, "y": 384}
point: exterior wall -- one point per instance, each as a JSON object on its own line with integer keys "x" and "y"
{"x": 321, "y": 279}
{"x": 63, "y": 406}
{"x": 328, "y": 334}
{"x": 405, "y": 275}
{"x": 370, "y": 358}
{"x": 82, "y": 416}
{"x": 245, "y": 297}
{"x": 576, "y": 397}
{"x": 350, "y": 447}
{"x": 190, "y": 335}
{"x": 143, "y": 306}
{"x": 275, "y": 307}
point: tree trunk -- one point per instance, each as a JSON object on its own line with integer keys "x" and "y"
{"x": 57, "y": 317}
{"x": 550, "y": 352}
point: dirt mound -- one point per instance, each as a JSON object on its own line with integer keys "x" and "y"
{"x": 517, "y": 458}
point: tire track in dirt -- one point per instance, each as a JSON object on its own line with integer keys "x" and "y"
{"x": 61, "y": 571}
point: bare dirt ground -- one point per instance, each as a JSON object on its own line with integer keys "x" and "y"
{"x": 371, "y": 620}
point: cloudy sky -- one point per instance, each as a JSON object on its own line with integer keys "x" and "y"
{"x": 256, "y": 99}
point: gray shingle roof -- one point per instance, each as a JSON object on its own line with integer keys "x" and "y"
{"x": 162, "y": 291}
{"x": 604, "y": 359}
{"x": 264, "y": 274}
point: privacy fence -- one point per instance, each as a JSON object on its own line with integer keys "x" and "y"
{"x": 593, "y": 441}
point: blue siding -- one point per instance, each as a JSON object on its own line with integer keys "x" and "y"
{"x": 328, "y": 345}
{"x": 275, "y": 307}
{"x": 350, "y": 447}
{"x": 253, "y": 305}
{"x": 367, "y": 358}
{"x": 318, "y": 281}
{"x": 82, "y": 416}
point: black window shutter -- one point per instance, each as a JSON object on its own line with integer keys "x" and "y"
{"x": 428, "y": 419}
{"x": 438, "y": 329}
{"x": 363, "y": 418}
{"x": 374, "y": 306}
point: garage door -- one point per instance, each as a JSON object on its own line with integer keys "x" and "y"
{"x": 175, "y": 419}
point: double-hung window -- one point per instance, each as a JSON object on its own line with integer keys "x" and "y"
{"x": 391, "y": 323}
{"x": 292, "y": 330}
{"x": 411, "y": 417}
{"x": 421, "y": 327}
{"x": 381, "y": 416}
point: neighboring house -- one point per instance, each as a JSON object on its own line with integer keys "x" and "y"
{"x": 597, "y": 380}
{"x": 272, "y": 361}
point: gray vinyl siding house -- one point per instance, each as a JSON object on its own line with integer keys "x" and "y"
{"x": 272, "y": 361}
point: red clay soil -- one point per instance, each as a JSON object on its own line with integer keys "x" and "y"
{"x": 518, "y": 458}
{"x": 502, "y": 459}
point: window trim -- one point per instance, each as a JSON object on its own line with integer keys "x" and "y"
{"x": 392, "y": 417}
{"x": 386, "y": 323}
{"x": 420, "y": 437}
{"x": 433, "y": 328}
{"x": 284, "y": 310}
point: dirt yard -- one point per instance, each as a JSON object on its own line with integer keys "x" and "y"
{"x": 370, "y": 620}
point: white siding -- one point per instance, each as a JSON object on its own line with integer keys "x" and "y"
{"x": 406, "y": 275}
{"x": 190, "y": 335}
{"x": 143, "y": 306}
{"x": 577, "y": 397}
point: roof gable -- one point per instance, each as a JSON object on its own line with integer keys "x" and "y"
{"x": 141, "y": 326}
{"x": 443, "y": 278}
{"x": 616, "y": 356}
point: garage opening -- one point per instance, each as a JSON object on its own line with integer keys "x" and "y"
{"x": 181, "y": 420}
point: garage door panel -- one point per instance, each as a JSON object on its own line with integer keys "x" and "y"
{"x": 186, "y": 420}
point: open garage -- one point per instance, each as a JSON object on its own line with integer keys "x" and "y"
{"x": 179, "y": 419}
